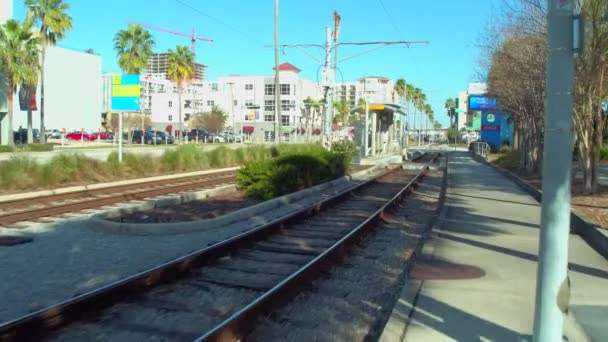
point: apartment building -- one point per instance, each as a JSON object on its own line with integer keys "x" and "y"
{"x": 158, "y": 65}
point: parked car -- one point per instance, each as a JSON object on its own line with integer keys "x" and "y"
{"x": 217, "y": 138}
{"x": 203, "y": 135}
{"x": 149, "y": 137}
{"x": 53, "y": 134}
{"x": 79, "y": 136}
{"x": 103, "y": 135}
{"x": 164, "y": 138}
{"x": 20, "y": 135}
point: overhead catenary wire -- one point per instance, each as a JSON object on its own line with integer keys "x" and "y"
{"x": 198, "y": 11}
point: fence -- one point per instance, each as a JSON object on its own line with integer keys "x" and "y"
{"x": 480, "y": 148}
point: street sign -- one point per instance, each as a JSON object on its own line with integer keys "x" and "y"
{"x": 126, "y": 91}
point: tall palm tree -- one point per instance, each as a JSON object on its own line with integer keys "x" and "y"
{"x": 180, "y": 71}
{"x": 18, "y": 56}
{"x": 30, "y": 86}
{"x": 450, "y": 104}
{"x": 343, "y": 109}
{"x": 54, "y": 22}
{"x": 132, "y": 47}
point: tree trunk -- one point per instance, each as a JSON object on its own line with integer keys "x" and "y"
{"x": 11, "y": 134}
{"x": 30, "y": 135}
{"x": 42, "y": 127}
{"x": 598, "y": 129}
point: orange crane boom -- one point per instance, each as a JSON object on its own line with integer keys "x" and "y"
{"x": 193, "y": 37}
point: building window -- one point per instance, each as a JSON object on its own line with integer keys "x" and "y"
{"x": 210, "y": 103}
{"x": 268, "y": 89}
{"x": 269, "y": 105}
{"x": 236, "y": 103}
{"x": 248, "y": 86}
{"x": 284, "y": 89}
{"x": 170, "y": 104}
{"x": 285, "y": 120}
{"x": 214, "y": 86}
{"x": 268, "y": 136}
{"x": 248, "y": 103}
{"x": 170, "y": 118}
{"x": 269, "y": 117}
{"x": 288, "y": 105}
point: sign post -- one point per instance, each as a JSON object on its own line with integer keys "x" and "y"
{"x": 126, "y": 92}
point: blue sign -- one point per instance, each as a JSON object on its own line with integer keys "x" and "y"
{"x": 482, "y": 103}
{"x": 126, "y": 92}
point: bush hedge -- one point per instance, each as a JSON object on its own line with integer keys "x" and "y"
{"x": 604, "y": 153}
{"x": 7, "y": 148}
{"x": 294, "y": 168}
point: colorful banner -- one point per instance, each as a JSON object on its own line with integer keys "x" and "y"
{"x": 24, "y": 102}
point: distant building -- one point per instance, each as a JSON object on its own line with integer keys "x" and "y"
{"x": 6, "y": 10}
{"x": 158, "y": 65}
{"x": 73, "y": 96}
{"x": 248, "y": 100}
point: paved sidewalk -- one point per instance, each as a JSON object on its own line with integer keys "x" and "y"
{"x": 476, "y": 278}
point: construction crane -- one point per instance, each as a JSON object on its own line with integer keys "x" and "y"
{"x": 193, "y": 37}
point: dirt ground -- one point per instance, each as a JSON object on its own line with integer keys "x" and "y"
{"x": 592, "y": 207}
{"x": 192, "y": 211}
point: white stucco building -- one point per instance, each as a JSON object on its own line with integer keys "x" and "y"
{"x": 73, "y": 90}
{"x": 249, "y": 101}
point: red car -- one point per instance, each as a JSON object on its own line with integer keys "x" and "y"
{"x": 102, "y": 135}
{"x": 79, "y": 136}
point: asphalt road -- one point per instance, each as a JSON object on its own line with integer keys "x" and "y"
{"x": 100, "y": 153}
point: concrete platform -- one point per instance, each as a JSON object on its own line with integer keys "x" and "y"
{"x": 476, "y": 277}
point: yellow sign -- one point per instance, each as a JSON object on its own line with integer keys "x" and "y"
{"x": 116, "y": 79}
{"x": 374, "y": 107}
{"x": 126, "y": 91}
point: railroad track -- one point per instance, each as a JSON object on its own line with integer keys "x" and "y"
{"x": 218, "y": 292}
{"x": 32, "y": 209}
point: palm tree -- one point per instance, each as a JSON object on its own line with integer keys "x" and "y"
{"x": 400, "y": 87}
{"x": 180, "y": 71}
{"x": 54, "y": 22}
{"x": 343, "y": 109}
{"x": 450, "y": 104}
{"x": 18, "y": 57}
{"x": 132, "y": 47}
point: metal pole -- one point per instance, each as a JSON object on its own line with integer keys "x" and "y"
{"x": 120, "y": 137}
{"x": 277, "y": 84}
{"x": 366, "y": 127}
{"x": 329, "y": 86}
{"x": 557, "y": 162}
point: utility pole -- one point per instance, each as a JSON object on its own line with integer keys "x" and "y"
{"x": 328, "y": 83}
{"x": 277, "y": 84}
{"x": 557, "y": 163}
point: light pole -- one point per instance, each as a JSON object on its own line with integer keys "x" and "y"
{"x": 557, "y": 163}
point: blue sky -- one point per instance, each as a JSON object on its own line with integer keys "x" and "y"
{"x": 240, "y": 28}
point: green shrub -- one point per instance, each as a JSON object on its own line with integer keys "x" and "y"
{"x": 604, "y": 153}
{"x": 39, "y": 147}
{"x": 18, "y": 173}
{"x": 269, "y": 178}
{"x": 505, "y": 150}
{"x": 7, "y": 148}
{"x": 509, "y": 160}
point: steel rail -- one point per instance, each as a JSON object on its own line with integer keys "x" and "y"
{"x": 11, "y": 204}
{"x": 236, "y": 326}
{"x": 90, "y": 203}
{"x": 37, "y": 325}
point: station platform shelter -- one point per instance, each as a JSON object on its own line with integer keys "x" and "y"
{"x": 385, "y": 129}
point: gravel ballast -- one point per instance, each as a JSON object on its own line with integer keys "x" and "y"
{"x": 355, "y": 300}
{"x": 68, "y": 258}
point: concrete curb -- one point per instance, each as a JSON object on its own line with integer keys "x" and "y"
{"x": 100, "y": 223}
{"x": 594, "y": 236}
{"x": 396, "y": 327}
{"x": 97, "y": 186}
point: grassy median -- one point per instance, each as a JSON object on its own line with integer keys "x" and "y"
{"x": 21, "y": 173}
